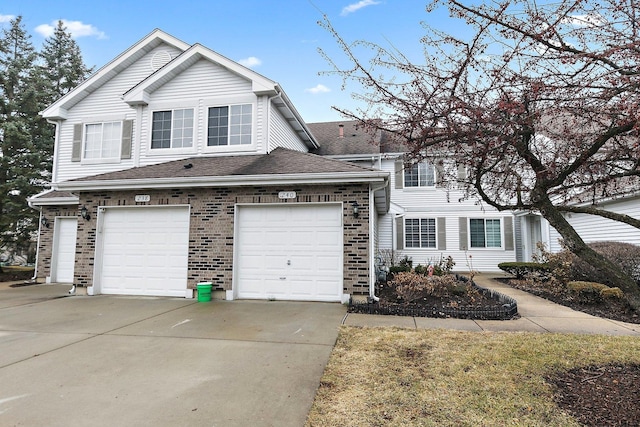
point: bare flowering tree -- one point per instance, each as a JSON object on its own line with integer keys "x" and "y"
{"x": 540, "y": 105}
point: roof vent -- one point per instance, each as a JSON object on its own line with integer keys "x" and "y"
{"x": 188, "y": 166}
{"x": 341, "y": 130}
{"x": 160, "y": 59}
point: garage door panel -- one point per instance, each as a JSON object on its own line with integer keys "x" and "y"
{"x": 292, "y": 240}
{"x": 145, "y": 251}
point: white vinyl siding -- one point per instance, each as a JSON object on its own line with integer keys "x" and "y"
{"x": 449, "y": 208}
{"x": 103, "y": 105}
{"x": 282, "y": 135}
{"x": 596, "y": 229}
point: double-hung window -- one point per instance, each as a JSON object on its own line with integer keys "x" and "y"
{"x": 172, "y": 129}
{"x": 485, "y": 233}
{"x": 420, "y": 232}
{"x": 102, "y": 140}
{"x": 229, "y": 125}
{"x": 421, "y": 174}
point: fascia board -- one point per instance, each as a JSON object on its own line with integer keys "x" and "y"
{"x": 108, "y": 71}
{"x": 55, "y": 201}
{"x": 225, "y": 181}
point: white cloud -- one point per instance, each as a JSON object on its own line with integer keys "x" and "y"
{"x": 357, "y": 6}
{"x": 75, "y": 28}
{"x": 589, "y": 20}
{"x": 318, "y": 89}
{"x": 6, "y": 18}
{"x": 250, "y": 62}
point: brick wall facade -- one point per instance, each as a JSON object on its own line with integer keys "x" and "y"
{"x": 211, "y": 231}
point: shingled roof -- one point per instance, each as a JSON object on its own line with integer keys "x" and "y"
{"x": 346, "y": 138}
{"x": 280, "y": 161}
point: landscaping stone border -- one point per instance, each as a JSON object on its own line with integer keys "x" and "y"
{"x": 507, "y": 311}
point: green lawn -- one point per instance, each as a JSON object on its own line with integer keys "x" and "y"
{"x": 400, "y": 377}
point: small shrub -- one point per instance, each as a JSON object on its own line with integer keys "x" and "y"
{"x": 580, "y": 286}
{"x": 587, "y": 292}
{"x": 406, "y": 262}
{"x": 526, "y": 269}
{"x": 411, "y": 286}
{"x": 612, "y": 293}
{"x": 399, "y": 269}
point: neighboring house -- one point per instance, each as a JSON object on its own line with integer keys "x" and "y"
{"x": 174, "y": 165}
{"x": 591, "y": 228}
{"x": 426, "y": 221}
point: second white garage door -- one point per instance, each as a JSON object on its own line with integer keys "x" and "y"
{"x": 144, "y": 251}
{"x": 289, "y": 252}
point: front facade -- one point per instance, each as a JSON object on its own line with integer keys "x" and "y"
{"x": 427, "y": 220}
{"x": 174, "y": 165}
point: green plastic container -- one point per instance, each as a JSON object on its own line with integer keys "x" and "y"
{"x": 204, "y": 291}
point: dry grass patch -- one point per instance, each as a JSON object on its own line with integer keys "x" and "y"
{"x": 399, "y": 377}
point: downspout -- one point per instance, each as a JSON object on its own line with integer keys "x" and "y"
{"x": 35, "y": 269}
{"x": 372, "y": 273}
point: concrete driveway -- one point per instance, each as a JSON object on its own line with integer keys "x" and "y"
{"x": 140, "y": 361}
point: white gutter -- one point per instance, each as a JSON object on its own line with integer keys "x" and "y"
{"x": 223, "y": 181}
{"x": 35, "y": 268}
{"x": 372, "y": 261}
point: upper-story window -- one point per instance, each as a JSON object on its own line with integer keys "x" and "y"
{"x": 421, "y": 174}
{"x": 229, "y": 125}
{"x": 102, "y": 140}
{"x": 172, "y": 129}
{"x": 485, "y": 233}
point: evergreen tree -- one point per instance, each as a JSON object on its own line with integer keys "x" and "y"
{"x": 63, "y": 67}
{"x": 20, "y": 160}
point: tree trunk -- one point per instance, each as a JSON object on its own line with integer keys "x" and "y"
{"x": 578, "y": 247}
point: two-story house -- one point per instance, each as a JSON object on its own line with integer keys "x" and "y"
{"x": 427, "y": 220}
{"x": 174, "y": 165}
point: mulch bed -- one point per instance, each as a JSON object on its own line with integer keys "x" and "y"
{"x": 609, "y": 309}
{"x": 9, "y": 275}
{"x": 600, "y": 396}
{"x": 480, "y": 304}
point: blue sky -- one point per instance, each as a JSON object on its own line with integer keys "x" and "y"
{"x": 278, "y": 39}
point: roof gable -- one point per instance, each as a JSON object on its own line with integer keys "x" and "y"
{"x": 140, "y": 94}
{"x": 58, "y": 110}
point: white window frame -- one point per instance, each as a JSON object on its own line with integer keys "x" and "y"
{"x": 228, "y": 146}
{"x": 173, "y": 137}
{"x": 484, "y": 225}
{"x": 420, "y": 219}
{"x": 423, "y": 167}
{"x": 100, "y": 159}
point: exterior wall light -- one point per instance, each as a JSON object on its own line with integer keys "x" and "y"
{"x": 45, "y": 222}
{"x": 356, "y": 209}
{"x": 84, "y": 213}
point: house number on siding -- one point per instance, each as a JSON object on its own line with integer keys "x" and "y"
{"x": 142, "y": 198}
{"x": 287, "y": 195}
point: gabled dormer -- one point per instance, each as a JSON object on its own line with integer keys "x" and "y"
{"x": 164, "y": 100}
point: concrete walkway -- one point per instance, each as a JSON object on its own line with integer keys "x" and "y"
{"x": 537, "y": 315}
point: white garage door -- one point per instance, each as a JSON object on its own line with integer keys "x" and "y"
{"x": 144, "y": 251}
{"x": 64, "y": 251}
{"x": 289, "y": 252}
